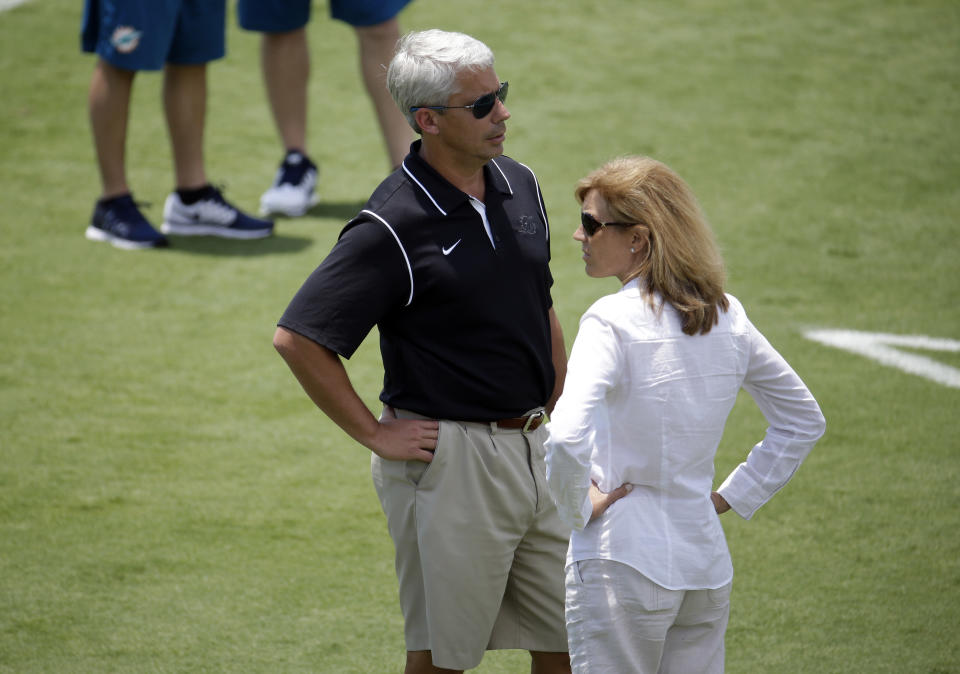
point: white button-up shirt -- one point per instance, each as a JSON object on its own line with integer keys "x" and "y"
{"x": 645, "y": 404}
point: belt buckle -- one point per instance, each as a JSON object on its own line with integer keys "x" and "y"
{"x": 530, "y": 419}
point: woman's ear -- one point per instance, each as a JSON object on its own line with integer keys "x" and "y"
{"x": 640, "y": 240}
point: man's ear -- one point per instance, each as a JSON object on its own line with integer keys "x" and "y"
{"x": 427, "y": 120}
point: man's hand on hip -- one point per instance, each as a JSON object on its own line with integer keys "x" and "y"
{"x": 405, "y": 439}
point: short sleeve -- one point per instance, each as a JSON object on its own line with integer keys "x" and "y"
{"x": 364, "y": 278}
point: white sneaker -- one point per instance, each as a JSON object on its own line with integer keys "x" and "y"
{"x": 211, "y": 216}
{"x": 292, "y": 193}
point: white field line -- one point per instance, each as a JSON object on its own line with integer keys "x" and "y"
{"x": 882, "y": 348}
{"x": 10, "y": 4}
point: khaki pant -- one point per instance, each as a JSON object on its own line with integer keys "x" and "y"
{"x": 620, "y": 621}
{"x": 479, "y": 546}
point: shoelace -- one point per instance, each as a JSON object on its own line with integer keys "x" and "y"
{"x": 128, "y": 209}
{"x": 217, "y": 190}
{"x": 293, "y": 173}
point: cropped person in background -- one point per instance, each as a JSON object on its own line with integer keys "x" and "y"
{"x": 653, "y": 374}
{"x": 179, "y": 37}
{"x": 285, "y": 61}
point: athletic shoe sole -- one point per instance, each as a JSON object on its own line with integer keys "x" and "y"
{"x": 266, "y": 209}
{"x": 213, "y": 230}
{"x": 97, "y": 234}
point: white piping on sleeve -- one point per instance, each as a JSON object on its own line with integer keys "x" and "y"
{"x": 402, "y": 249}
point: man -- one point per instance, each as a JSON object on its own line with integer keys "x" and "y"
{"x": 180, "y": 37}
{"x": 285, "y": 60}
{"x": 450, "y": 259}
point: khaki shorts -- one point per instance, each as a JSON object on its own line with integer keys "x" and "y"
{"x": 480, "y": 549}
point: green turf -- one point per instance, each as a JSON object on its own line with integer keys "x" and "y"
{"x": 171, "y": 502}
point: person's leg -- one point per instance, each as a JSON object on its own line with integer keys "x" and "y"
{"x": 113, "y": 29}
{"x": 376, "y": 45}
{"x": 420, "y": 662}
{"x": 116, "y": 217}
{"x": 196, "y": 208}
{"x": 695, "y": 641}
{"x": 617, "y": 619}
{"x": 185, "y": 105}
{"x": 453, "y": 562}
{"x": 285, "y": 67}
{"x": 532, "y": 610}
{"x": 109, "y": 106}
{"x": 285, "y": 61}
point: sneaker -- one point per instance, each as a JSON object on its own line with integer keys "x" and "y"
{"x": 212, "y": 215}
{"x": 120, "y": 222}
{"x": 292, "y": 192}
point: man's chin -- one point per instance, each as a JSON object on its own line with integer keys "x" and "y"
{"x": 495, "y": 149}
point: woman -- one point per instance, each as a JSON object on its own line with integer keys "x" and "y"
{"x": 653, "y": 374}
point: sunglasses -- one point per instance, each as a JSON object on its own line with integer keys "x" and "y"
{"x": 591, "y": 225}
{"x": 480, "y": 107}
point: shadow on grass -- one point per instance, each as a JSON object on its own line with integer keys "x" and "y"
{"x": 210, "y": 245}
{"x": 342, "y": 211}
{"x": 279, "y": 244}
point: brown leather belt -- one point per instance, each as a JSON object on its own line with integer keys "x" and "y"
{"x": 531, "y": 422}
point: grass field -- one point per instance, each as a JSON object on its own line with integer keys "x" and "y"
{"x": 171, "y": 502}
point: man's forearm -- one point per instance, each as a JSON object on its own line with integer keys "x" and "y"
{"x": 324, "y": 378}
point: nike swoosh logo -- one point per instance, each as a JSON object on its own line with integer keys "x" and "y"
{"x": 447, "y": 251}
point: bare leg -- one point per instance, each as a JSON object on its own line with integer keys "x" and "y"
{"x": 376, "y": 44}
{"x": 549, "y": 663}
{"x": 185, "y": 105}
{"x": 285, "y": 61}
{"x": 109, "y": 106}
{"x": 420, "y": 662}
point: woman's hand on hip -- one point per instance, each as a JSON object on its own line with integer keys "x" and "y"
{"x": 603, "y": 500}
{"x": 719, "y": 503}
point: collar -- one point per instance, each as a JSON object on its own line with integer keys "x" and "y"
{"x": 442, "y": 194}
{"x": 632, "y": 288}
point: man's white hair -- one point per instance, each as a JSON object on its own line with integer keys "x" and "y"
{"x": 425, "y": 66}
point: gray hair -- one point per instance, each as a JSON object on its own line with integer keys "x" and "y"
{"x": 425, "y": 66}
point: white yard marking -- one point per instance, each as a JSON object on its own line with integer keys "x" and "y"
{"x": 10, "y": 4}
{"x": 882, "y": 348}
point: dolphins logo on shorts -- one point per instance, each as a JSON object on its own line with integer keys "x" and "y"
{"x": 125, "y": 39}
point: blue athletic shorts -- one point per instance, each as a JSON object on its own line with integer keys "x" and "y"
{"x": 146, "y": 34}
{"x": 269, "y": 16}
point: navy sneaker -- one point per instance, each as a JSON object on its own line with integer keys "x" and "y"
{"x": 211, "y": 215}
{"x": 293, "y": 190}
{"x": 120, "y": 222}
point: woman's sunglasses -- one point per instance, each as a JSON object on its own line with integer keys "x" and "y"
{"x": 480, "y": 107}
{"x": 591, "y": 225}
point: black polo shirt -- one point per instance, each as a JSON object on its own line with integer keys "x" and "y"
{"x": 464, "y": 331}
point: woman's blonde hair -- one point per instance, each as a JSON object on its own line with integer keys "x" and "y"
{"x": 682, "y": 261}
